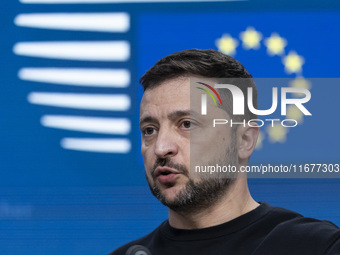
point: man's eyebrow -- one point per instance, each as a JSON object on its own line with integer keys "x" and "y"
{"x": 148, "y": 119}
{"x": 182, "y": 113}
{"x": 171, "y": 116}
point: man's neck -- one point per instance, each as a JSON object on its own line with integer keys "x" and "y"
{"x": 236, "y": 202}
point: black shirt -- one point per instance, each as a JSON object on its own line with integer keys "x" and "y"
{"x": 265, "y": 230}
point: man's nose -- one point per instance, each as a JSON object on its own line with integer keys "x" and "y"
{"x": 166, "y": 145}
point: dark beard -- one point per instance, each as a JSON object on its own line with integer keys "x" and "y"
{"x": 195, "y": 197}
{"x": 203, "y": 192}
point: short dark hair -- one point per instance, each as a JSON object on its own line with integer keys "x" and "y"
{"x": 206, "y": 63}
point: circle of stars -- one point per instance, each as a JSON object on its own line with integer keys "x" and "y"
{"x": 275, "y": 44}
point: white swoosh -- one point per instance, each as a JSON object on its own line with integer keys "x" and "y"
{"x": 97, "y": 145}
{"x": 82, "y": 101}
{"x": 99, "y": 22}
{"x": 119, "y": 126}
{"x": 115, "y": 78}
{"x": 77, "y": 50}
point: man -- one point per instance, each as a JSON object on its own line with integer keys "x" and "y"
{"x": 211, "y": 215}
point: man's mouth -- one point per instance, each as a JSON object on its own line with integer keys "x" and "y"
{"x": 166, "y": 174}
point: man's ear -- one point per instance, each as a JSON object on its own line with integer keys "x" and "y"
{"x": 247, "y": 138}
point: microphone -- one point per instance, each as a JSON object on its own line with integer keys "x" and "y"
{"x": 138, "y": 250}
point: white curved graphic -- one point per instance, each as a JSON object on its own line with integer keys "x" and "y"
{"x": 112, "y": 126}
{"x": 87, "y": 85}
{"x": 102, "y": 102}
{"x": 102, "y": 145}
{"x": 98, "y": 22}
{"x": 76, "y": 50}
{"x": 238, "y": 97}
{"x": 113, "y": 78}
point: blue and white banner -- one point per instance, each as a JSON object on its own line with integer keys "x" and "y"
{"x": 71, "y": 174}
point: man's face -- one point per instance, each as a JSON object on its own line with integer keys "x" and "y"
{"x": 173, "y": 129}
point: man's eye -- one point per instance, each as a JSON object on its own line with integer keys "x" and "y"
{"x": 186, "y": 124}
{"x": 149, "y": 131}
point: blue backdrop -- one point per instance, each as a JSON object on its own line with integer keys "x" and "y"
{"x": 56, "y": 198}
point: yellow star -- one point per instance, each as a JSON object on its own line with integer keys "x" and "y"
{"x": 259, "y": 142}
{"x": 293, "y": 62}
{"x": 277, "y": 133}
{"x": 251, "y": 38}
{"x": 227, "y": 45}
{"x": 275, "y": 44}
{"x": 300, "y": 83}
{"x": 294, "y": 113}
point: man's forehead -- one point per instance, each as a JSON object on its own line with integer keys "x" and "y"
{"x": 169, "y": 92}
{"x": 174, "y": 95}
